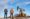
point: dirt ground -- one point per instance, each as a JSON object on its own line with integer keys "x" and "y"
{"x": 22, "y": 17}
{"x": 18, "y": 18}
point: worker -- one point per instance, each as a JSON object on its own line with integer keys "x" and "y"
{"x": 5, "y": 14}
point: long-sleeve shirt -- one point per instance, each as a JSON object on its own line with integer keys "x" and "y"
{"x": 12, "y": 11}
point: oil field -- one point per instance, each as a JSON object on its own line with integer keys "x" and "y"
{"x": 14, "y": 9}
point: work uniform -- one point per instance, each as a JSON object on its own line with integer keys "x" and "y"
{"x": 5, "y": 14}
{"x": 11, "y": 13}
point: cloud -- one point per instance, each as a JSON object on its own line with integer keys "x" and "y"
{"x": 23, "y": 3}
{"x": 26, "y": 2}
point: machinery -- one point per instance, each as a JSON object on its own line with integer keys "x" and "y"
{"x": 21, "y": 10}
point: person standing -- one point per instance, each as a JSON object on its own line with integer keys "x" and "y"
{"x": 11, "y": 12}
{"x": 5, "y": 14}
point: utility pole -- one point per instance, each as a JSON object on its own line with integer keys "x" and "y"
{"x": 5, "y": 14}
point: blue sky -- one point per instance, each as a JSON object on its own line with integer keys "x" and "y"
{"x": 25, "y": 4}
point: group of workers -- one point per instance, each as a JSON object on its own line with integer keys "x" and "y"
{"x": 11, "y": 12}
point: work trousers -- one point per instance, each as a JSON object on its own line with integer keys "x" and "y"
{"x": 5, "y": 15}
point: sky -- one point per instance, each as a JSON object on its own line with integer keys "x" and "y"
{"x": 25, "y": 4}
